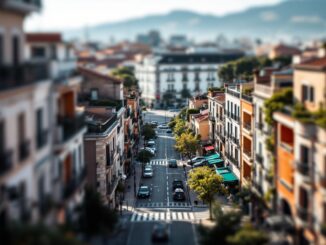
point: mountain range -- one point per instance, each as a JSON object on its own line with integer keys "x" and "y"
{"x": 303, "y": 19}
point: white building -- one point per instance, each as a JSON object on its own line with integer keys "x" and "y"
{"x": 179, "y": 75}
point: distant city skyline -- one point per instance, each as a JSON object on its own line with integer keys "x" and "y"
{"x": 62, "y": 15}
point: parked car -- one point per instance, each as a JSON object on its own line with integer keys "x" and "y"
{"x": 150, "y": 143}
{"x": 160, "y": 232}
{"x": 148, "y": 172}
{"x": 143, "y": 191}
{"x": 169, "y": 131}
{"x": 195, "y": 160}
{"x": 173, "y": 163}
{"x": 179, "y": 195}
{"x": 177, "y": 184}
{"x": 200, "y": 164}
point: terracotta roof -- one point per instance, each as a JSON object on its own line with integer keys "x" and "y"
{"x": 313, "y": 64}
{"x": 220, "y": 98}
{"x": 202, "y": 117}
{"x": 44, "y": 37}
{"x": 92, "y": 72}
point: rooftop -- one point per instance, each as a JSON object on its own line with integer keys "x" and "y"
{"x": 93, "y": 72}
{"x": 99, "y": 123}
{"x": 313, "y": 64}
{"x": 44, "y": 37}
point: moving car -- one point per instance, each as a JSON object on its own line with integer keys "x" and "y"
{"x": 160, "y": 232}
{"x": 148, "y": 172}
{"x": 196, "y": 159}
{"x": 177, "y": 184}
{"x": 179, "y": 195}
{"x": 163, "y": 126}
{"x": 143, "y": 191}
{"x": 173, "y": 163}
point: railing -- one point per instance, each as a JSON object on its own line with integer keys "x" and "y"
{"x": 235, "y": 140}
{"x": 303, "y": 213}
{"x": 21, "y": 75}
{"x": 233, "y": 93}
{"x": 264, "y": 89}
{"x": 211, "y": 118}
{"x": 235, "y": 117}
{"x": 303, "y": 168}
{"x": 232, "y": 159}
{"x": 71, "y": 187}
{"x": 6, "y": 161}
{"x": 247, "y": 97}
{"x": 322, "y": 180}
{"x": 259, "y": 125}
{"x": 99, "y": 129}
{"x": 258, "y": 187}
{"x": 41, "y": 138}
{"x": 71, "y": 126}
{"x": 286, "y": 146}
{"x": 247, "y": 126}
{"x": 259, "y": 159}
{"x": 248, "y": 153}
{"x": 24, "y": 150}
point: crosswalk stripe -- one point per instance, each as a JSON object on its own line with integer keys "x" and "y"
{"x": 191, "y": 215}
{"x": 156, "y": 216}
{"x": 179, "y": 216}
{"x": 145, "y": 216}
{"x": 168, "y": 216}
{"x": 162, "y": 216}
{"x": 133, "y": 217}
{"x": 174, "y": 216}
{"x": 185, "y": 215}
{"x": 139, "y": 217}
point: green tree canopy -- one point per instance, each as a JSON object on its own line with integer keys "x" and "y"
{"x": 187, "y": 144}
{"x": 226, "y": 224}
{"x": 180, "y": 127}
{"x": 247, "y": 235}
{"x": 144, "y": 156}
{"x": 148, "y": 132}
{"x": 94, "y": 217}
{"x": 206, "y": 183}
{"x": 127, "y": 75}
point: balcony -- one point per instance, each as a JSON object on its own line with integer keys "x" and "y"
{"x": 248, "y": 154}
{"x": 211, "y": 118}
{"x": 287, "y": 147}
{"x": 24, "y": 150}
{"x": 235, "y": 140}
{"x": 22, "y": 75}
{"x": 303, "y": 213}
{"x": 247, "y": 98}
{"x": 247, "y": 127}
{"x": 322, "y": 180}
{"x": 41, "y": 138}
{"x": 259, "y": 125}
{"x": 303, "y": 168}
{"x": 232, "y": 159}
{"x": 6, "y": 161}
{"x": 70, "y": 126}
{"x": 23, "y": 6}
{"x": 233, "y": 93}
{"x": 264, "y": 89}
{"x": 74, "y": 184}
{"x": 259, "y": 159}
{"x": 96, "y": 128}
{"x": 235, "y": 117}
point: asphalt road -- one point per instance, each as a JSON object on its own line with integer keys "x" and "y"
{"x": 161, "y": 206}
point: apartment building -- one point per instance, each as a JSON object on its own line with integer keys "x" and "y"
{"x": 301, "y": 153}
{"x": 216, "y": 100}
{"x": 102, "y": 97}
{"x": 25, "y": 152}
{"x": 176, "y": 76}
{"x": 198, "y": 102}
{"x": 246, "y": 134}
{"x": 266, "y": 83}
{"x": 232, "y": 125}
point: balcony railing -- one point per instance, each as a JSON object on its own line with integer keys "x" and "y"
{"x": 24, "y": 150}
{"x": 233, "y": 93}
{"x": 71, "y": 187}
{"x": 235, "y": 117}
{"x": 101, "y": 128}
{"x": 247, "y": 97}
{"x": 259, "y": 159}
{"x": 232, "y": 159}
{"x": 303, "y": 168}
{"x": 6, "y": 161}
{"x": 211, "y": 118}
{"x": 21, "y": 75}
{"x": 259, "y": 125}
{"x": 235, "y": 140}
{"x": 303, "y": 213}
{"x": 287, "y": 147}
{"x": 247, "y": 126}
{"x": 41, "y": 138}
{"x": 71, "y": 126}
{"x": 248, "y": 154}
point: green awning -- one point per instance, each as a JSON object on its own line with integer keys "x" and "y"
{"x": 219, "y": 163}
{"x": 227, "y": 175}
{"x": 213, "y": 156}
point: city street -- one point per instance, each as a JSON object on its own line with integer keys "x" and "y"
{"x": 161, "y": 206}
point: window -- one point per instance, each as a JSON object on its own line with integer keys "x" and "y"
{"x": 308, "y": 93}
{"x": 303, "y": 198}
{"x": 39, "y": 128}
{"x": 38, "y": 52}
{"x": 53, "y": 52}
{"x": 197, "y": 76}
{"x": 304, "y": 154}
{"x": 170, "y": 87}
{"x": 197, "y": 86}
{"x": 185, "y": 86}
{"x": 94, "y": 94}
{"x": 21, "y": 127}
{"x": 2, "y": 136}
{"x": 16, "y": 50}
{"x": 184, "y": 77}
{"x": 1, "y": 49}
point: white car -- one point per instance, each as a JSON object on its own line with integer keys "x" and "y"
{"x": 151, "y": 150}
{"x": 195, "y": 160}
{"x": 163, "y": 126}
{"x": 148, "y": 172}
{"x": 151, "y": 143}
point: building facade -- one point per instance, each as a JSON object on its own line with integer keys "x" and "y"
{"x": 176, "y": 77}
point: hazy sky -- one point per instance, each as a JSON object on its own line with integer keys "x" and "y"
{"x": 65, "y": 14}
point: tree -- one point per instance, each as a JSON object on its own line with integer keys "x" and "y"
{"x": 180, "y": 127}
{"x": 185, "y": 93}
{"x": 206, "y": 183}
{"x": 226, "y": 224}
{"x": 187, "y": 144}
{"x": 94, "y": 217}
{"x": 226, "y": 73}
{"x": 127, "y": 75}
{"x": 144, "y": 156}
{"x": 247, "y": 235}
{"x": 148, "y": 132}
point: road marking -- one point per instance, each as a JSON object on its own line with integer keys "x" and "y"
{"x": 174, "y": 216}
{"x": 179, "y": 216}
{"x": 139, "y": 217}
{"x": 185, "y": 215}
{"x": 133, "y": 217}
{"x": 162, "y": 216}
{"x": 191, "y": 215}
{"x": 156, "y": 216}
